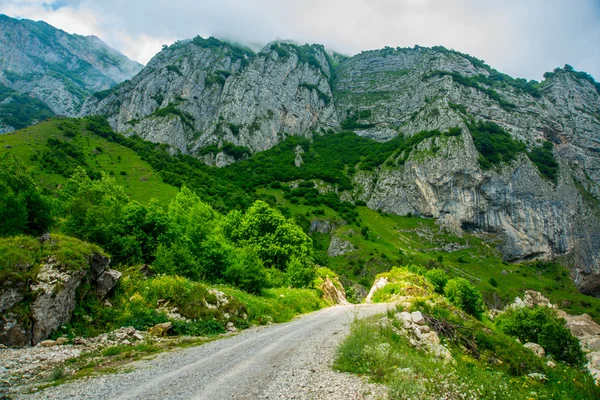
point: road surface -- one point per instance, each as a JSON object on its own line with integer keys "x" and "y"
{"x": 282, "y": 361}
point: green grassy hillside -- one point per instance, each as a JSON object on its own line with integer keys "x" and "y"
{"x": 52, "y": 150}
{"x": 51, "y": 162}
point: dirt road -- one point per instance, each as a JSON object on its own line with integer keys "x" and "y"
{"x": 283, "y": 361}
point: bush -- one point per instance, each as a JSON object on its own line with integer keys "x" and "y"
{"x": 462, "y": 294}
{"x": 542, "y": 326}
{"x": 438, "y": 279}
{"x": 493, "y": 282}
{"x": 247, "y": 272}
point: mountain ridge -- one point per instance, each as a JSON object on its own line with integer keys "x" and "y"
{"x": 56, "y": 67}
{"x": 526, "y": 165}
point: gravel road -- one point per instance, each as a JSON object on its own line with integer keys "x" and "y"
{"x": 283, "y": 361}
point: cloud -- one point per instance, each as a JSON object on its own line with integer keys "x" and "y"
{"x": 523, "y": 39}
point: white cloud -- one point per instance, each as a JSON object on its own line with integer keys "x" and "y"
{"x": 522, "y": 38}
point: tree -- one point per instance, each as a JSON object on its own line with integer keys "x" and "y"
{"x": 277, "y": 240}
{"x": 23, "y": 208}
{"x": 465, "y": 296}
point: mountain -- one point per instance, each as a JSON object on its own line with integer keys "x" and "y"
{"x": 505, "y": 156}
{"x": 55, "y": 67}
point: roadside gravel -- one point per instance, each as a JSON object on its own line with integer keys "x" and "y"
{"x": 284, "y": 361}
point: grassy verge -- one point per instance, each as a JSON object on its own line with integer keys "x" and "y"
{"x": 383, "y": 355}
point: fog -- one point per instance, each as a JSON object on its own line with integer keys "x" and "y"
{"x": 521, "y": 38}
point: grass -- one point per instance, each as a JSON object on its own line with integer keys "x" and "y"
{"x": 22, "y": 255}
{"x": 401, "y": 240}
{"x": 140, "y": 181}
{"x": 385, "y": 356}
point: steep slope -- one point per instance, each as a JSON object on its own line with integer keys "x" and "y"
{"x": 54, "y": 148}
{"x": 409, "y": 90}
{"x": 501, "y": 155}
{"x": 206, "y": 92}
{"x": 58, "y": 68}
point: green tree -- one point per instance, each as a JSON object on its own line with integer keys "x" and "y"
{"x": 23, "y": 208}
{"x": 438, "y": 279}
{"x": 465, "y": 296}
{"x": 277, "y": 240}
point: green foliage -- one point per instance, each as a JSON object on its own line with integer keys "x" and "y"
{"x": 186, "y": 118}
{"x": 19, "y": 110}
{"x": 541, "y": 325}
{"x": 543, "y": 158}
{"x": 494, "y": 144}
{"x": 23, "y": 207}
{"x": 22, "y": 256}
{"x": 474, "y": 81}
{"x": 353, "y": 121}
{"x": 278, "y": 241}
{"x": 248, "y": 272}
{"x": 217, "y": 77}
{"x": 62, "y": 157}
{"x": 461, "y": 293}
{"x": 438, "y": 279}
{"x": 174, "y": 69}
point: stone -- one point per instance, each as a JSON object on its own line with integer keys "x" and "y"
{"x": 106, "y": 281}
{"x": 125, "y": 342}
{"x": 536, "y": 348}
{"x": 417, "y": 318}
{"x": 339, "y": 247}
{"x": 378, "y": 284}
{"x": 79, "y": 341}
{"x": 551, "y": 364}
{"x": 138, "y": 336}
{"x": 333, "y": 291}
{"x": 47, "y": 343}
{"x": 425, "y": 329}
{"x": 61, "y": 341}
{"x": 231, "y": 327}
{"x": 161, "y": 329}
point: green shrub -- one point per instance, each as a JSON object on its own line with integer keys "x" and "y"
{"x": 493, "y": 282}
{"x": 438, "y": 279}
{"x": 247, "y": 272}
{"x": 541, "y": 325}
{"x": 494, "y": 144}
{"x": 544, "y": 160}
{"x": 465, "y": 296}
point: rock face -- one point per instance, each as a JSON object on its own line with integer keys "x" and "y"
{"x": 332, "y": 292}
{"x": 197, "y": 95}
{"x": 58, "y": 68}
{"x": 205, "y": 97}
{"x": 339, "y": 247}
{"x": 31, "y": 312}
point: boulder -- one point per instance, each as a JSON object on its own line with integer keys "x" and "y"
{"x": 51, "y": 294}
{"x": 339, "y": 247}
{"x": 536, "y": 348}
{"x": 332, "y": 292}
{"x": 378, "y": 284}
{"x": 106, "y": 282}
{"x": 161, "y": 330}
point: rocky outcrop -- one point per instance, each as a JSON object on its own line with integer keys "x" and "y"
{"x": 205, "y": 92}
{"x": 58, "y": 68}
{"x": 339, "y": 247}
{"x": 379, "y": 283}
{"x": 325, "y": 226}
{"x": 583, "y": 327}
{"x": 31, "y": 311}
{"x": 333, "y": 291}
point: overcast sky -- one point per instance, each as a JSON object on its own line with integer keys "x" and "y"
{"x": 523, "y": 38}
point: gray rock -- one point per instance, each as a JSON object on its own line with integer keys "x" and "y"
{"x": 339, "y": 247}
{"x": 536, "y": 348}
{"x": 106, "y": 282}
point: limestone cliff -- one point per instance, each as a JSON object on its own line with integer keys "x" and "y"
{"x": 197, "y": 95}
{"x": 211, "y": 99}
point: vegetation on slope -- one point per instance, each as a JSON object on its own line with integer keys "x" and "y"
{"x": 19, "y": 110}
{"x": 487, "y": 361}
